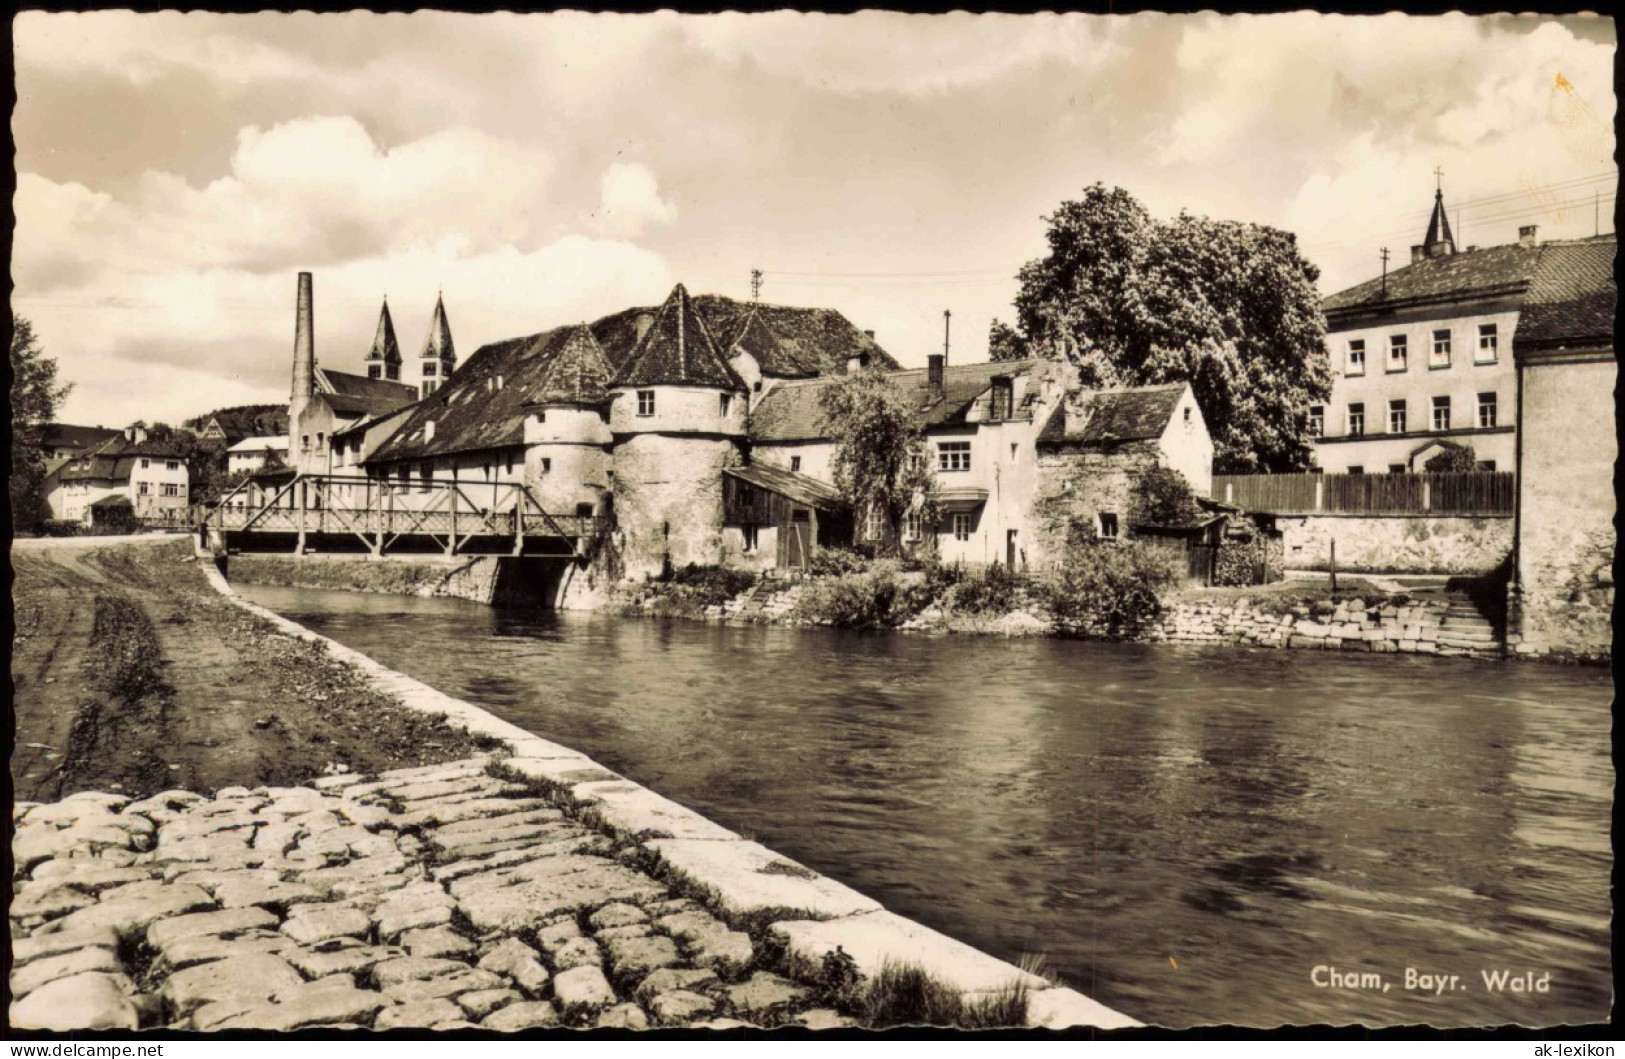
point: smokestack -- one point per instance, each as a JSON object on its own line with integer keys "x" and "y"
{"x": 934, "y": 367}
{"x": 1526, "y": 234}
{"x": 304, "y": 344}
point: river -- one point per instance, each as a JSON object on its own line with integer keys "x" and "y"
{"x": 1185, "y": 834}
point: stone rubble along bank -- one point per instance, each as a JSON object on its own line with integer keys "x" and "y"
{"x": 1422, "y": 627}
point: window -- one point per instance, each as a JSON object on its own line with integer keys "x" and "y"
{"x": 757, "y": 386}
{"x": 508, "y": 463}
{"x": 1397, "y": 352}
{"x": 646, "y": 402}
{"x": 145, "y": 464}
{"x": 1440, "y": 357}
{"x": 1396, "y": 417}
{"x": 1396, "y": 468}
{"x": 911, "y": 526}
{"x": 374, "y": 371}
{"x": 1485, "y": 465}
{"x": 172, "y": 489}
{"x": 1317, "y": 420}
{"x": 1356, "y": 469}
{"x": 1441, "y": 413}
{"x": 547, "y": 465}
{"x": 144, "y": 489}
{"x": 355, "y": 446}
{"x": 428, "y": 369}
{"x": 727, "y": 402}
{"x": 1488, "y": 341}
{"x": 425, "y": 475}
{"x": 795, "y": 463}
{"x": 953, "y": 456}
{"x": 1356, "y": 419}
{"x": 304, "y": 443}
{"x": 749, "y": 532}
{"x": 1486, "y": 410}
{"x": 1015, "y": 449}
{"x": 430, "y": 386}
{"x": 961, "y": 526}
{"x": 1356, "y": 357}
{"x": 874, "y": 526}
{"x": 1108, "y": 526}
{"x": 485, "y": 471}
{"x": 403, "y": 473}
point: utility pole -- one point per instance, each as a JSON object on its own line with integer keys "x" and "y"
{"x": 947, "y": 315}
{"x": 755, "y": 284}
{"x": 1385, "y": 272}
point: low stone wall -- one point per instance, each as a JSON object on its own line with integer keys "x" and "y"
{"x": 1397, "y": 544}
{"x": 479, "y": 578}
{"x": 1390, "y": 628}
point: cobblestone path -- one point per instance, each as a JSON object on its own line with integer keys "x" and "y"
{"x": 444, "y": 897}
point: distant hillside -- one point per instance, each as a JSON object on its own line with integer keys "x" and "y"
{"x": 244, "y": 421}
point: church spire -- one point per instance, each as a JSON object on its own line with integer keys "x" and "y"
{"x": 1439, "y": 242}
{"x": 439, "y": 356}
{"x": 384, "y": 358}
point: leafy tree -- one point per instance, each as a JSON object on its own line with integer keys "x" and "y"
{"x": 880, "y": 454}
{"x": 1162, "y": 497}
{"x": 1452, "y": 459}
{"x": 1111, "y": 590}
{"x": 35, "y": 397}
{"x": 1229, "y": 307}
{"x": 1005, "y": 343}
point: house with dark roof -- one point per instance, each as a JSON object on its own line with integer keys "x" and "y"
{"x": 151, "y": 477}
{"x": 232, "y": 425}
{"x": 61, "y": 441}
{"x": 1423, "y": 354}
{"x": 1562, "y": 592}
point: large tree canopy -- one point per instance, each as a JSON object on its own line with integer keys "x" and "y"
{"x": 880, "y": 458}
{"x": 35, "y": 395}
{"x": 1230, "y": 308}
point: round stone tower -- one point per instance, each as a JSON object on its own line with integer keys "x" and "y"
{"x": 567, "y": 440}
{"x": 677, "y": 415}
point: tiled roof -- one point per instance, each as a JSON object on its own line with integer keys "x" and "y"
{"x": 357, "y": 393}
{"x": 808, "y": 341}
{"x": 791, "y": 410}
{"x": 67, "y": 436}
{"x": 1571, "y": 299}
{"x": 798, "y": 487}
{"x": 755, "y": 337}
{"x": 678, "y": 349}
{"x": 1472, "y": 273}
{"x": 270, "y": 441}
{"x": 249, "y": 420}
{"x": 384, "y": 347}
{"x": 1112, "y": 417}
{"x": 438, "y": 344}
{"x": 112, "y": 459}
{"x": 577, "y": 370}
{"x": 470, "y": 413}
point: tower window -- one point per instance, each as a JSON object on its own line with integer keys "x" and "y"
{"x": 727, "y": 403}
{"x": 428, "y": 369}
{"x": 795, "y": 463}
{"x": 1108, "y": 526}
{"x": 646, "y": 402}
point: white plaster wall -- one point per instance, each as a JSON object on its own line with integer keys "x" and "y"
{"x": 678, "y": 410}
{"x": 817, "y": 457}
{"x": 1187, "y": 447}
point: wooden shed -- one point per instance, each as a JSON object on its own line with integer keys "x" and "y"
{"x": 786, "y": 511}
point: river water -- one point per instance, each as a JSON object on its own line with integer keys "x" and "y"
{"x": 1185, "y": 834}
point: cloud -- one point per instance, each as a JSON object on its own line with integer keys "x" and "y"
{"x": 629, "y": 200}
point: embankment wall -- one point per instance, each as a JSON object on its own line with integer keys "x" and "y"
{"x": 1422, "y": 544}
{"x": 480, "y": 578}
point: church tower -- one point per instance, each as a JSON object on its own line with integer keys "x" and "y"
{"x": 1439, "y": 242}
{"x": 384, "y": 358}
{"x": 439, "y": 356}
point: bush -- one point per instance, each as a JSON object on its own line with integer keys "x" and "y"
{"x": 711, "y": 585}
{"x": 1162, "y": 497}
{"x": 62, "y": 527}
{"x": 827, "y": 562}
{"x": 880, "y": 597}
{"x": 991, "y": 591}
{"x": 1110, "y": 589}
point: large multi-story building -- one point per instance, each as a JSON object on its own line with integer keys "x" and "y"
{"x": 1422, "y": 357}
{"x": 148, "y": 479}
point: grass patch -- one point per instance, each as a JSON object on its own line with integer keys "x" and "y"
{"x": 909, "y": 995}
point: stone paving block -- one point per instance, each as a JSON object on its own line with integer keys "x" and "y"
{"x": 40, "y": 946}
{"x": 497, "y": 819}
{"x": 668, "y": 978}
{"x": 630, "y": 958}
{"x": 436, "y": 941}
{"x": 344, "y": 959}
{"x": 617, "y": 915}
{"x": 824, "y": 1019}
{"x": 316, "y": 924}
{"x": 413, "y": 968}
{"x": 238, "y": 893}
{"x": 133, "y": 911}
{"x": 31, "y": 976}
{"x": 1058, "y": 1008}
{"x": 763, "y": 992}
{"x": 552, "y": 935}
{"x": 515, "y": 907}
{"x": 42, "y": 901}
{"x": 577, "y": 952}
{"x": 680, "y": 1006}
{"x": 747, "y": 878}
{"x": 449, "y": 986}
{"x": 582, "y": 988}
{"x": 420, "y": 1015}
{"x": 90, "y": 878}
{"x": 629, "y": 809}
{"x": 252, "y": 977}
{"x": 392, "y": 925}
{"x": 519, "y": 962}
{"x": 310, "y": 1004}
{"x": 623, "y": 1017}
{"x": 81, "y": 1002}
{"x": 636, "y": 930}
{"x": 510, "y": 874}
{"x": 481, "y": 1002}
{"x": 565, "y": 769}
{"x": 524, "y": 1015}
{"x": 188, "y": 952}
{"x": 725, "y": 949}
{"x": 476, "y": 809}
{"x": 877, "y": 938}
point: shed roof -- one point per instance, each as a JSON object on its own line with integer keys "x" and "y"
{"x": 790, "y": 484}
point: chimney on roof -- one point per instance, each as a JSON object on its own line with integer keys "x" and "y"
{"x": 935, "y": 364}
{"x": 1418, "y": 252}
{"x": 304, "y": 342}
{"x": 135, "y": 434}
{"x": 870, "y": 335}
{"x": 1527, "y": 233}
{"x": 644, "y": 321}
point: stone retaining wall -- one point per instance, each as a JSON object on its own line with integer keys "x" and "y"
{"x": 1420, "y": 544}
{"x": 497, "y": 869}
{"x": 1413, "y": 628}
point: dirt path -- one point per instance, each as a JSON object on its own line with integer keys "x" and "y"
{"x": 132, "y": 675}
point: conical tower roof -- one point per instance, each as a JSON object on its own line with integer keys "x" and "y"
{"x": 579, "y": 372}
{"x": 678, "y": 350}
{"x": 384, "y": 346}
{"x": 438, "y": 344}
{"x": 1439, "y": 225}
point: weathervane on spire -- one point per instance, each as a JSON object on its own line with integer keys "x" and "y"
{"x": 1438, "y": 179}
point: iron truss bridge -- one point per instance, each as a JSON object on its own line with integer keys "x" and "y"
{"x": 324, "y": 511}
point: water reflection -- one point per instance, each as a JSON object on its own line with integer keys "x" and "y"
{"x": 1183, "y": 833}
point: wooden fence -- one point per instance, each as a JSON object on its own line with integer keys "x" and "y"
{"x": 1471, "y": 493}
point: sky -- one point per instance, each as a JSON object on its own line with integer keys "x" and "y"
{"x": 176, "y": 171}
